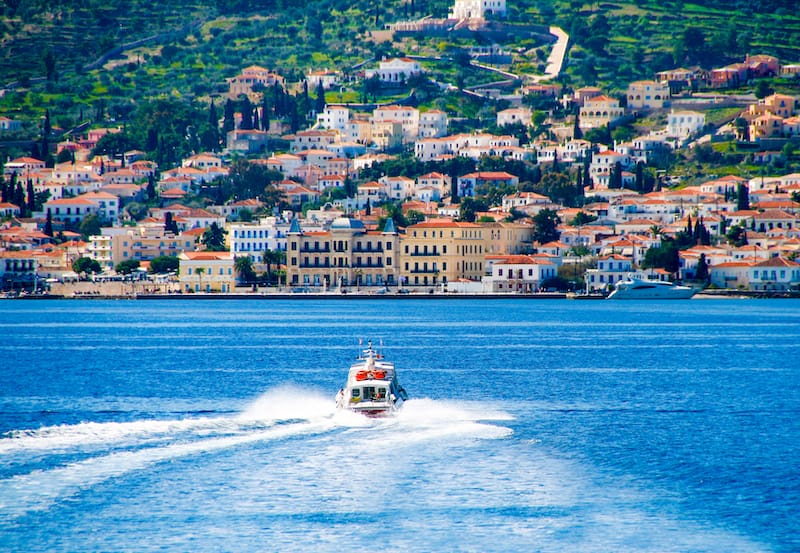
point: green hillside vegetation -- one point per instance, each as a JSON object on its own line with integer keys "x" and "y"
{"x": 187, "y": 50}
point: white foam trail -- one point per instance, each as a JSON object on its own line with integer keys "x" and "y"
{"x": 288, "y": 403}
{"x": 39, "y": 489}
{"x": 66, "y": 437}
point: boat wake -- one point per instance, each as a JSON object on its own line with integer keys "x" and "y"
{"x": 41, "y": 467}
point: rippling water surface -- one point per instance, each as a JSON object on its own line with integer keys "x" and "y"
{"x": 534, "y": 426}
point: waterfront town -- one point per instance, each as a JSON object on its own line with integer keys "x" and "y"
{"x": 388, "y": 198}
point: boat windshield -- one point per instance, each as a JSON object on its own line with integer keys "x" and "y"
{"x": 369, "y": 393}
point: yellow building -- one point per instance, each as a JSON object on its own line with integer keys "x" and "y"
{"x": 207, "y": 271}
{"x": 437, "y": 252}
{"x": 345, "y": 255}
{"x": 508, "y": 238}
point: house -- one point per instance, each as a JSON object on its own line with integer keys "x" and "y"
{"x": 9, "y": 125}
{"x": 408, "y": 117}
{"x": 485, "y": 180}
{"x": 610, "y": 270}
{"x": 514, "y": 116}
{"x": 775, "y": 273}
{"x": 600, "y": 111}
{"x": 432, "y": 124}
{"x": 247, "y": 141}
{"x": 18, "y": 269}
{"x": 603, "y": 163}
{"x": 250, "y": 80}
{"x": 207, "y": 271}
{"x": 312, "y": 139}
{"x": 519, "y": 273}
{"x": 327, "y": 78}
{"x": 253, "y": 239}
{"x": 685, "y": 124}
{"x": 766, "y": 126}
{"x": 7, "y": 209}
{"x": 647, "y": 95}
{"x": 334, "y": 118}
{"x": 395, "y": 70}
{"x": 436, "y": 181}
{"x": 477, "y": 9}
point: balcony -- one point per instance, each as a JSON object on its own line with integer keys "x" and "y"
{"x": 326, "y": 249}
{"x": 425, "y": 254}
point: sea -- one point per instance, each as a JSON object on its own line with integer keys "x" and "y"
{"x": 553, "y": 426}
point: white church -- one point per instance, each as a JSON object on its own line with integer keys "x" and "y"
{"x": 477, "y": 9}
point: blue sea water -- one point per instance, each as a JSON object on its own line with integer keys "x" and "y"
{"x": 533, "y": 426}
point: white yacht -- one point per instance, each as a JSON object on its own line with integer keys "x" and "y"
{"x": 639, "y": 287}
{"x": 372, "y": 387}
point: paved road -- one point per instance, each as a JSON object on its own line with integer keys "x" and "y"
{"x": 555, "y": 60}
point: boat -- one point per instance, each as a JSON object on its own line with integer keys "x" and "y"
{"x": 639, "y": 287}
{"x": 372, "y": 388}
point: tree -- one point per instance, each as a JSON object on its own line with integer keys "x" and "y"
{"x": 169, "y": 223}
{"x": 229, "y": 120}
{"x": 546, "y": 226}
{"x": 90, "y": 226}
{"x": 763, "y": 89}
{"x": 558, "y": 187}
{"x": 30, "y": 198}
{"x": 737, "y": 236}
{"x": 214, "y": 238}
{"x": 702, "y": 268}
{"x": 272, "y": 257}
{"x": 85, "y": 265}
{"x": 742, "y": 197}
{"x": 127, "y": 267}
{"x": 582, "y": 218}
{"x": 48, "y": 224}
{"x": 319, "y": 105}
{"x": 164, "y": 264}
{"x": 244, "y": 268}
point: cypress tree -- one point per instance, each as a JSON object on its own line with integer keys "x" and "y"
{"x": 640, "y": 176}
{"x": 689, "y": 227}
{"x": 742, "y": 198}
{"x": 319, "y": 107}
{"x": 256, "y": 122}
{"x": 48, "y": 224}
{"x": 3, "y": 189}
{"x": 247, "y": 115}
{"x": 19, "y": 196}
{"x": 228, "y": 121}
{"x": 31, "y": 198}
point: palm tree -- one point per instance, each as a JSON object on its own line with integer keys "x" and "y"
{"x": 200, "y": 271}
{"x": 656, "y": 231}
{"x": 244, "y": 268}
{"x": 272, "y": 256}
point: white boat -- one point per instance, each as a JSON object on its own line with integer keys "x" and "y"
{"x": 372, "y": 387}
{"x": 640, "y": 287}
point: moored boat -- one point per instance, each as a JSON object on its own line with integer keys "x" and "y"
{"x": 372, "y": 387}
{"x": 639, "y": 287}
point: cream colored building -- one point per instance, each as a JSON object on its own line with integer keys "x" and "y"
{"x": 600, "y": 111}
{"x": 207, "y": 271}
{"x": 344, "y": 256}
{"x": 647, "y": 95}
{"x": 438, "y": 252}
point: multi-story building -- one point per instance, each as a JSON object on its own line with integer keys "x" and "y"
{"x": 432, "y": 124}
{"x": 345, "y": 255}
{"x": 395, "y": 70}
{"x": 600, "y": 111}
{"x": 438, "y": 252}
{"x": 408, "y": 117}
{"x": 207, "y": 271}
{"x": 253, "y": 239}
{"x": 143, "y": 243}
{"x": 647, "y": 95}
{"x": 251, "y": 77}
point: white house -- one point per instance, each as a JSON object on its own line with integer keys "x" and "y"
{"x": 684, "y": 124}
{"x": 395, "y": 70}
{"x": 477, "y": 9}
{"x": 519, "y": 273}
{"x": 432, "y": 124}
{"x": 512, "y": 116}
{"x": 334, "y": 118}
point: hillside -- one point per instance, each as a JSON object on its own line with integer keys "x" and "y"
{"x": 195, "y": 45}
